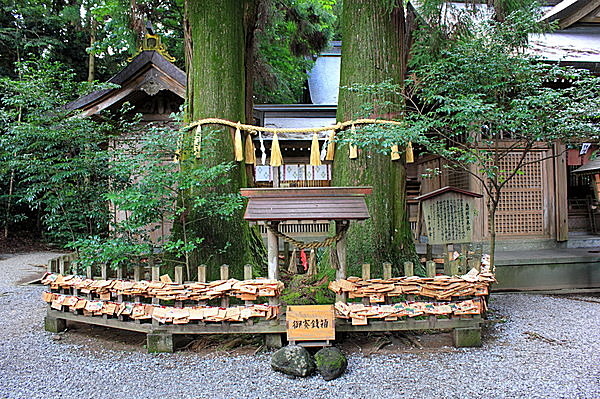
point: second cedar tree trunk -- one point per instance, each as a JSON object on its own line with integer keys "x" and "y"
{"x": 215, "y": 44}
{"x": 372, "y": 52}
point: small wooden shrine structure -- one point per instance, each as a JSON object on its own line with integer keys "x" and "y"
{"x": 273, "y": 206}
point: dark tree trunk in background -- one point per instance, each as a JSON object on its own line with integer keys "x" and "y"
{"x": 374, "y": 45}
{"x": 216, "y": 88}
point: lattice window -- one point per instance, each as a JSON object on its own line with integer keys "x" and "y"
{"x": 459, "y": 178}
{"x": 521, "y": 207}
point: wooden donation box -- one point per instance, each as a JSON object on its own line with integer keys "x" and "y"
{"x": 310, "y": 323}
{"x": 448, "y": 214}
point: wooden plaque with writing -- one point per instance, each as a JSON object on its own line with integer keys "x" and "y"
{"x": 310, "y": 323}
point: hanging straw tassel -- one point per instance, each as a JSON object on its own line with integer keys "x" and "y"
{"x": 315, "y": 159}
{"x": 197, "y": 141}
{"x": 353, "y": 151}
{"x": 250, "y": 154}
{"x": 237, "y": 145}
{"x": 353, "y": 148}
{"x": 177, "y": 155}
{"x": 410, "y": 157}
{"x": 395, "y": 153}
{"x": 330, "y": 147}
{"x": 293, "y": 267}
{"x": 312, "y": 263}
{"x": 276, "y": 158}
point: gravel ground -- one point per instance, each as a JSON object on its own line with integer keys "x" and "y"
{"x": 549, "y": 347}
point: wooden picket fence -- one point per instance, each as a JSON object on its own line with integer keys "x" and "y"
{"x": 273, "y": 329}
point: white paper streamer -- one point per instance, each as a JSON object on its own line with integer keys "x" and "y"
{"x": 263, "y": 151}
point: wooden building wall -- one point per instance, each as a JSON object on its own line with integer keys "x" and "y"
{"x": 533, "y": 204}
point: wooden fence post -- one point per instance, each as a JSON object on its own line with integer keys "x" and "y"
{"x": 155, "y": 301}
{"x": 179, "y": 274}
{"x": 409, "y": 269}
{"x": 155, "y": 273}
{"x": 366, "y": 275}
{"x": 387, "y": 270}
{"x": 366, "y": 271}
{"x": 202, "y": 279}
{"x": 225, "y": 276}
{"x": 202, "y": 274}
{"x": 103, "y": 271}
{"x": 61, "y": 265}
{"x": 137, "y": 273}
{"x": 248, "y": 276}
{"x": 178, "y": 280}
{"x": 137, "y": 276}
{"x": 430, "y": 267}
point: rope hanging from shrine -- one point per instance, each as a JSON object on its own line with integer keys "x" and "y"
{"x": 247, "y": 151}
{"x": 310, "y": 245}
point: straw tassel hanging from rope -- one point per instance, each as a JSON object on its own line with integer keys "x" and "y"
{"x": 250, "y": 153}
{"x": 315, "y": 159}
{"x": 237, "y": 144}
{"x": 395, "y": 152}
{"x": 312, "y": 263}
{"x": 293, "y": 266}
{"x": 197, "y": 141}
{"x": 330, "y": 147}
{"x": 410, "y": 157}
{"x": 276, "y": 158}
{"x": 353, "y": 148}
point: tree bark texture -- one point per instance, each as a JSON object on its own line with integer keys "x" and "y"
{"x": 373, "y": 46}
{"x": 215, "y": 61}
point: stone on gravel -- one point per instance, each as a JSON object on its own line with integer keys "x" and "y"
{"x": 293, "y": 360}
{"x": 331, "y": 363}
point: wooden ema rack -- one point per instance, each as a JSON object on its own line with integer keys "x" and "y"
{"x": 182, "y": 308}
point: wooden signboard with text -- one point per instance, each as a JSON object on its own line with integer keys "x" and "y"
{"x": 448, "y": 214}
{"x": 310, "y": 323}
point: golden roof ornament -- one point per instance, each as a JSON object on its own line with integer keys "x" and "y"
{"x": 152, "y": 42}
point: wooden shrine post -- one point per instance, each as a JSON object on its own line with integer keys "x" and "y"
{"x": 340, "y": 247}
{"x": 273, "y": 256}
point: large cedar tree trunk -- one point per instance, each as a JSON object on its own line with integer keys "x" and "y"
{"x": 373, "y": 47}
{"x": 215, "y": 60}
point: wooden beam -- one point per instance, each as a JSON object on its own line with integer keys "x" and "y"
{"x": 273, "y": 258}
{"x": 340, "y": 248}
{"x": 587, "y": 7}
{"x": 560, "y": 193}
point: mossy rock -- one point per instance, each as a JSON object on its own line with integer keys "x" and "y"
{"x": 331, "y": 363}
{"x": 293, "y": 360}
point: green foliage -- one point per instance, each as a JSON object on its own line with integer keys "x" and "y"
{"x": 148, "y": 190}
{"x": 35, "y": 29}
{"x": 57, "y": 163}
{"x": 295, "y": 31}
{"x": 475, "y": 95}
{"x": 301, "y": 289}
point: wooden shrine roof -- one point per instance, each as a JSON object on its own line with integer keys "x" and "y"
{"x": 591, "y": 167}
{"x": 306, "y": 203}
{"x": 147, "y": 71}
{"x": 447, "y": 189}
